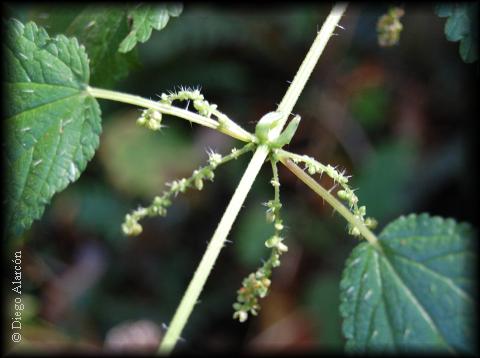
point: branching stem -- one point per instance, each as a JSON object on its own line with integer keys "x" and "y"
{"x": 216, "y": 243}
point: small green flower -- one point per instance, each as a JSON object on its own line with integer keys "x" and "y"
{"x": 199, "y": 183}
{"x": 150, "y": 119}
{"x": 131, "y": 227}
{"x": 214, "y": 159}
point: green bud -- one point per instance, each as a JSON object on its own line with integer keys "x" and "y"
{"x": 282, "y": 247}
{"x": 131, "y": 227}
{"x": 199, "y": 183}
{"x": 158, "y": 201}
{"x": 275, "y": 261}
{"x": 265, "y": 124}
{"x": 342, "y": 194}
{"x": 273, "y": 241}
{"x": 214, "y": 159}
{"x": 154, "y": 125}
{"x": 371, "y": 223}
{"x": 141, "y": 121}
{"x": 241, "y": 316}
{"x": 266, "y": 282}
{"x": 287, "y": 134}
{"x": 182, "y": 184}
{"x": 362, "y": 210}
{"x": 164, "y": 98}
{"x": 275, "y": 183}
{"x": 355, "y": 231}
{"x": 270, "y": 216}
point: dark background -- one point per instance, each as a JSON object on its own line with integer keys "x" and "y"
{"x": 399, "y": 119}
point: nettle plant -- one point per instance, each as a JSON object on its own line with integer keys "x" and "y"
{"x": 409, "y": 287}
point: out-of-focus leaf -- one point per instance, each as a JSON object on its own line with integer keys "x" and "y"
{"x": 247, "y": 31}
{"x": 139, "y": 161}
{"x": 52, "y": 124}
{"x": 444, "y": 10}
{"x": 250, "y": 236}
{"x": 369, "y": 106}
{"x": 416, "y": 293}
{"x": 387, "y": 172}
{"x": 145, "y": 18}
{"x": 55, "y": 19}
{"x": 458, "y": 24}
{"x": 461, "y": 25}
{"x": 322, "y": 294}
{"x": 469, "y": 49}
{"x": 95, "y": 209}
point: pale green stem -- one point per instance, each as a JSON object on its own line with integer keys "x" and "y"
{"x": 216, "y": 243}
{"x": 229, "y": 127}
{"x": 333, "y": 201}
{"x": 276, "y": 179}
{"x": 308, "y": 64}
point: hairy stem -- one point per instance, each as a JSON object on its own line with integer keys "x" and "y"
{"x": 333, "y": 201}
{"x": 216, "y": 243}
{"x": 196, "y": 284}
{"x": 308, "y": 64}
{"x": 230, "y": 128}
{"x": 275, "y": 180}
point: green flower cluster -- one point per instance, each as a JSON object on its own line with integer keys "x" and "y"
{"x": 159, "y": 205}
{"x": 256, "y": 285}
{"x": 346, "y": 194}
{"x": 150, "y": 119}
{"x": 203, "y": 107}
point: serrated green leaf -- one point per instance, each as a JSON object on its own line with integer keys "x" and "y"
{"x": 100, "y": 29}
{"x": 416, "y": 293}
{"x": 145, "y": 18}
{"x": 52, "y": 124}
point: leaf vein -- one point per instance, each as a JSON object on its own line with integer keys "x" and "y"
{"x": 423, "y": 312}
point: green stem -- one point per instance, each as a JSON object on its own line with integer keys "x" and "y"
{"x": 228, "y": 128}
{"x": 216, "y": 243}
{"x": 308, "y": 64}
{"x": 334, "y": 202}
{"x": 276, "y": 179}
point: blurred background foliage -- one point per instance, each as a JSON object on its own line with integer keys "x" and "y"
{"x": 399, "y": 119}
